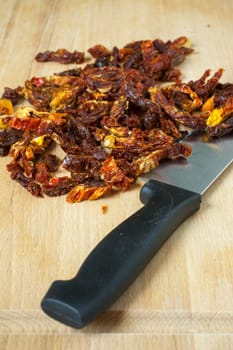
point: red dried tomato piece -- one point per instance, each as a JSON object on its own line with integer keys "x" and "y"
{"x": 61, "y": 55}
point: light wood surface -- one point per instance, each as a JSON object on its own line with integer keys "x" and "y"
{"x": 184, "y": 298}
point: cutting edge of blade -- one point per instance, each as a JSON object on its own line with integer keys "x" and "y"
{"x": 216, "y": 177}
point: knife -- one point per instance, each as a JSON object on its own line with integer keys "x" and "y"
{"x": 171, "y": 195}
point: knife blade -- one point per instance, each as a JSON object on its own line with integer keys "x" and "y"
{"x": 171, "y": 194}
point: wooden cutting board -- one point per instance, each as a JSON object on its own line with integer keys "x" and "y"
{"x": 184, "y": 298}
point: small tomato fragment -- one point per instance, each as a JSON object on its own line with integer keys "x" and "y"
{"x": 208, "y": 106}
{"x": 81, "y": 192}
{"x": 114, "y": 176}
{"x": 6, "y": 106}
{"x": 104, "y": 209}
{"x": 218, "y": 115}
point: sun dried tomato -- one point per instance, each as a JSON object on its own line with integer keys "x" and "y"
{"x": 61, "y": 55}
{"x": 14, "y": 95}
{"x": 57, "y": 186}
{"x": 8, "y": 137}
{"x": 6, "y": 106}
{"x": 82, "y": 192}
{"x": 99, "y": 51}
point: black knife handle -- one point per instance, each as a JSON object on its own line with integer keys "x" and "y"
{"x": 118, "y": 259}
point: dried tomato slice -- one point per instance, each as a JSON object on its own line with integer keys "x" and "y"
{"x": 61, "y": 55}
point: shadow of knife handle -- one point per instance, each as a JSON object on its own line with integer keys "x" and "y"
{"x": 118, "y": 259}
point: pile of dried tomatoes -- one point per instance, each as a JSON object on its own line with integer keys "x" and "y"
{"x": 113, "y": 118}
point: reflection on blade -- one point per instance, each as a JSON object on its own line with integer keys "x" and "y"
{"x": 198, "y": 172}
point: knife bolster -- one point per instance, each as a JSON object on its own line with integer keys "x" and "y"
{"x": 156, "y": 190}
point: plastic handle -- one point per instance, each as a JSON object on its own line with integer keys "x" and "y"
{"x": 119, "y": 258}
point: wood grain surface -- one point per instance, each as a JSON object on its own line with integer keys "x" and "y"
{"x": 184, "y": 298}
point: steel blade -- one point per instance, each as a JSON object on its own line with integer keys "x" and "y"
{"x": 201, "y": 169}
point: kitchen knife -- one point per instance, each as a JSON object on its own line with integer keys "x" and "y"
{"x": 172, "y": 194}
